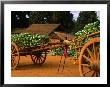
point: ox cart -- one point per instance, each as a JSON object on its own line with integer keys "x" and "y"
{"x": 88, "y": 55}
{"x": 37, "y": 53}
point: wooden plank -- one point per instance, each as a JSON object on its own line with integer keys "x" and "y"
{"x": 95, "y": 33}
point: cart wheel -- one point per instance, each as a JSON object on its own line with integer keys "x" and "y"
{"x": 39, "y": 58}
{"x": 89, "y": 59}
{"x": 14, "y": 56}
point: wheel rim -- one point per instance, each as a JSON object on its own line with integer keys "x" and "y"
{"x": 14, "y": 56}
{"x": 39, "y": 58}
{"x": 89, "y": 59}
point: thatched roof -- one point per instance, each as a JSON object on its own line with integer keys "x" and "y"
{"x": 41, "y": 28}
{"x": 62, "y": 35}
{"x": 17, "y": 30}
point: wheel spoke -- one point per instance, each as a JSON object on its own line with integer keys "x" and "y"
{"x": 15, "y": 54}
{"x": 36, "y": 59}
{"x": 13, "y": 50}
{"x": 87, "y": 58}
{"x": 98, "y": 54}
{"x": 32, "y": 57}
{"x": 39, "y": 60}
{"x": 86, "y": 65}
{"x": 91, "y": 55}
{"x": 93, "y": 74}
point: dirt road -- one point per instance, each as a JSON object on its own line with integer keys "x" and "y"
{"x": 26, "y": 68}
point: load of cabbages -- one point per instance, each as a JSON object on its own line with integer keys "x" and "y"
{"x": 29, "y": 40}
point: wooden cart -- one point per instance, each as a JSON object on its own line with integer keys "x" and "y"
{"x": 89, "y": 55}
{"x": 38, "y": 54}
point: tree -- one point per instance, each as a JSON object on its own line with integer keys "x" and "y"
{"x": 39, "y": 17}
{"x": 84, "y": 18}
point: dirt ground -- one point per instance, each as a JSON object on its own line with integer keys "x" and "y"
{"x": 26, "y": 68}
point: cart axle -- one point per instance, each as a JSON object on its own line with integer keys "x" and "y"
{"x": 95, "y": 66}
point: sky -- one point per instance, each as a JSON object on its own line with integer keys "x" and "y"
{"x": 76, "y": 13}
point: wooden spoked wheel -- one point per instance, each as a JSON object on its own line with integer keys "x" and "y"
{"x": 89, "y": 59}
{"x": 39, "y": 58}
{"x": 14, "y": 56}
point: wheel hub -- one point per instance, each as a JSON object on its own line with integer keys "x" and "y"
{"x": 95, "y": 66}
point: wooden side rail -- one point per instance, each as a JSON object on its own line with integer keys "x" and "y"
{"x": 95, "y": 33}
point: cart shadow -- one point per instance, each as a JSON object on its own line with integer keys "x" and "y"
{"x": 28, "y": 67}
{"x": 35, "y": 66}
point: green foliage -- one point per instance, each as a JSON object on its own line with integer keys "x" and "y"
{"x": 88, "y": 29}
{"x": 59, "y": 52}
{"x": 71, "y": 52}
{"x": 29, "y": 40}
